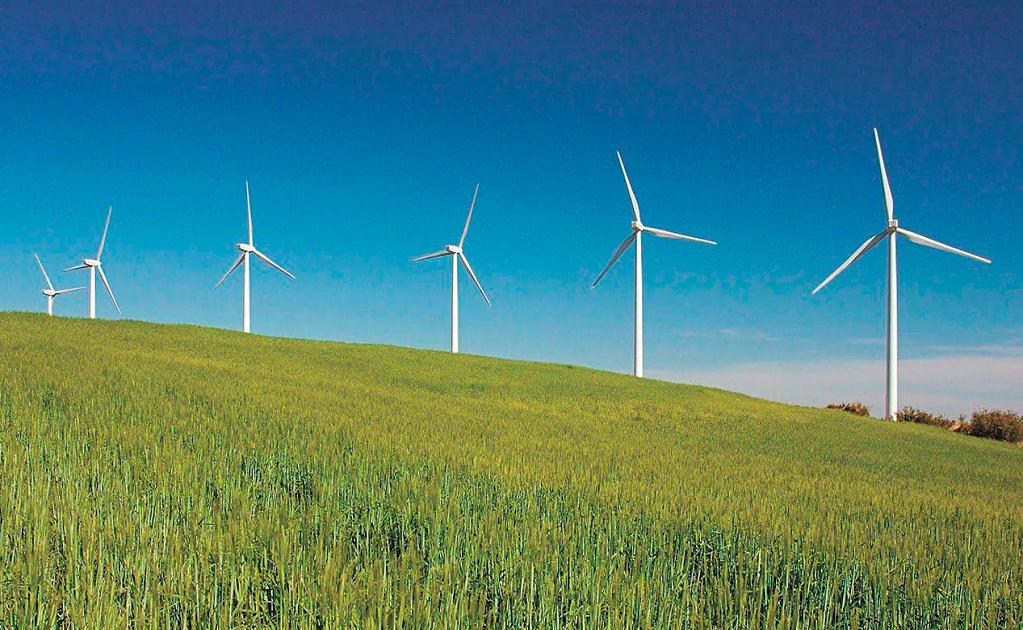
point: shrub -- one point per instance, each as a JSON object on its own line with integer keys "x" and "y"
{"x": 919, "y": 416}
{"x": 996, "y": 425}
{"x": 856, "y": 408}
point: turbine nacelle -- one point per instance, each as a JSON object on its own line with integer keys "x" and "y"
{"x": 50, "y": 292}
{"x": 453, "y": 249}
{"x": 245, "y": 247}
{"x": 637, "y": 226}
{"x": 91, "y": 262}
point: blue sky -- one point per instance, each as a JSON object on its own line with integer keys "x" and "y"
{"x": 363, "y": 129}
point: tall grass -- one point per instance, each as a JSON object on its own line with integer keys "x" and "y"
{"x": 172, "y": 476}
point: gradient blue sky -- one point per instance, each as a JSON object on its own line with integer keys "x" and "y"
{"x": 363, "y": 128}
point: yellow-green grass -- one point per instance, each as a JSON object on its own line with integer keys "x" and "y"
{"x": 157, "y": 476}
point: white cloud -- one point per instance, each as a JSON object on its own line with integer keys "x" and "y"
{"x": 950, "y": 385}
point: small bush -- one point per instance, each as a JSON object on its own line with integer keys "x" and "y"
{"x": 996, "y": 425}
{"x": 919, "y": 416}
{"x": 856, "y": 408}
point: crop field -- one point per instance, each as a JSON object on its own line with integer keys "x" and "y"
{"x": 157, "y": 476}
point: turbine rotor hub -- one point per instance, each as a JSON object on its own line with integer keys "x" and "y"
{"x": 91, "y": 262}
{"x": 637, "y": 226}
{"x": 893, "y": 223}
{"x": 245, "y": 247}
{"x": 453, "y": 249}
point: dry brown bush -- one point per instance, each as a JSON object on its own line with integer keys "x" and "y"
{"x": 856, "y": 408}
{"x": 919, "y": 416}
{"x": 1006, "y": 426}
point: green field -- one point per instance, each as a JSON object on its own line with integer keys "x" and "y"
{"x": 157, "y": 476}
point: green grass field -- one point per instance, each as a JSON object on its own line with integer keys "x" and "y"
{"x": 159, "y": 476}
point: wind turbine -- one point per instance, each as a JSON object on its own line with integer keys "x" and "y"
{"x": 246, "y": 249}
{"x": 892, "y": 381}
{"x": 455, "y": 251}
{"x": 637, "y": 235}
{"x": 51, "y": 293}
{"x": 94, "y": 265}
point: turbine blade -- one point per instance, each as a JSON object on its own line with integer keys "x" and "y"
{"x": 465, "y": 263}
{"x": 466, "y": 228}
{"x": 863, "y": 249}
{"x": 889, "y": 204}
{"x": 628, "y": 184}
{"x": 248, "y": 206}
{"x": 237, "y": 261}
{"x": 82, "y": 266}
{"x": 621, "y": 249}
{"x": 48, "y": 283}
{"x": 62, "y": 291}
{"x": 433, "y": 255}
{"x": 104, "y": 239}
{"x": 264, "y": 258}
{"x": 667, "y": 234}
{"x": 103, "y": 277}
{"x": 920, "y": 239}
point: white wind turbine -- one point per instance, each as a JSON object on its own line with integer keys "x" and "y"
{"x": 94, "y": 265}
{"x": 892, "y": 381}
{"x": 246, "y": 249}
{"x": 51, "y": 293}
{"x": 455, "y": 251}
{"x": 637, "y": 235}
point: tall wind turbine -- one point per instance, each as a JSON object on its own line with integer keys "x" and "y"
{"x": 51, "y": 293}
{"x": 243, "y": 257}
{"x": 892, "y": 381}
{"x": 637, "y": 235}
{"x": 94, "y": 265}
{"x": 455, "y": 251}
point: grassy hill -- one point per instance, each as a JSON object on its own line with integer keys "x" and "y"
{"x": 175, "y": 476}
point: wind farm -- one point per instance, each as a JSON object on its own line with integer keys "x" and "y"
{"x": 663, "y": 410}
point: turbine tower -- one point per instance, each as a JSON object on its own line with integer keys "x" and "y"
{"x": 637, "y": 235}
{"x": 455, "y": 251}
{"x": 94, "y": 265}
{"x": 892, "y": 381}
{"x": 243, "y": 257}
{"x": 51, "y": 293}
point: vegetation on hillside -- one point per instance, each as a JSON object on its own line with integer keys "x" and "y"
{"x": 1004, "y": 426}
{"x": 173, "y": 476}
{"x": 855, "y": 408}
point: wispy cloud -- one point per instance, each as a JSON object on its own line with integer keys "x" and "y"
{"x": 950, "y": 385}
{"x": 999, "y": 349}
{"x": 865, "y": 341}
{"x": 733, "y": 334}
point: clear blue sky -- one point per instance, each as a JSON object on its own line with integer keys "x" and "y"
{"x": 363, "y": 128}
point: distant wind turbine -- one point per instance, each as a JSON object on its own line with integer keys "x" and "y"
{"x": 455, "y": 251}
{"x": 246, "y": 249}
{"x": 892, "y": 381}
{"x": 637, "y": 235}
{"x": 94, "y": 265}
{"x": 50, "y": 292}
